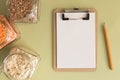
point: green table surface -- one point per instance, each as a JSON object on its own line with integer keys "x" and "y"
{"x": 38, "y": 37}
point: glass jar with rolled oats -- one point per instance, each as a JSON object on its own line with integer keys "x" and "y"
{"x": 19, "y": 64}
{"x": 23, "y": 10}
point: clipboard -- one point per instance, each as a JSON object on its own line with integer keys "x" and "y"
{"x": 75, "y": 39}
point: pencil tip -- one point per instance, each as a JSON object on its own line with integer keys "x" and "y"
{"x": 103, "y": 23}
{"x": 111, "y": 68}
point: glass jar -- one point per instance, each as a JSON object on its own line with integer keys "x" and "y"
{"x": 19, "y": 64}
{"x": 7, "y": 32}
{"x": 23, "y": 10}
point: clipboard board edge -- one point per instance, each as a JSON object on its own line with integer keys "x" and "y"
{"x": 75, "y": 69}
{"x": 55, "y": 43}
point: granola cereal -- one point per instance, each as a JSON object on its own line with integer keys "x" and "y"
{"x": 23, "y": 10}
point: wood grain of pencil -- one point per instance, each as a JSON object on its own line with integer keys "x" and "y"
{"x": 108, "y": 47}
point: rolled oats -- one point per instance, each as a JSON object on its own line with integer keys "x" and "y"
{"x": 20, "y": 65}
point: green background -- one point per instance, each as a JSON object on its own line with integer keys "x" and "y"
{"x": 38, "y": 37}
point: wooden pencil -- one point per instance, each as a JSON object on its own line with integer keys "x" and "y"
{"x": 108, "y": 46}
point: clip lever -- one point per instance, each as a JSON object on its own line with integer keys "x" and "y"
{"x": 84, "y": 18}
{"x": 75, "y": 10}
